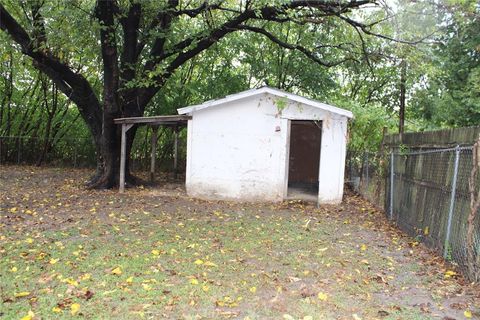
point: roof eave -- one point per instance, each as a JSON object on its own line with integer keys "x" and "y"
{"x": 276, "y": 92}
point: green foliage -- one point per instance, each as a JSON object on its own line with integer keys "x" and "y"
{"x": 450, "y": 95}
{"x": 366, "y": 129}
{"x": 443, "y": 75}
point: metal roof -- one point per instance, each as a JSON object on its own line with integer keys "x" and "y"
{"x": 265, "y": 90}
{"x": 156, "y": 120}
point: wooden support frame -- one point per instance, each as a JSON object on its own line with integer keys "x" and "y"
{"x": 174, "y": 121}
{"x": 123, "y": 155}
{"x": 175, "y": 152}
{"x": 153, "y": 152}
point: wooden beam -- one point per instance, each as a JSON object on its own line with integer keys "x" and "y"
{"x": 160, "y": 120}
{"x": 123, "y": 156}
{"x": 175, "y": 152}
{"x": 153, "y": 152}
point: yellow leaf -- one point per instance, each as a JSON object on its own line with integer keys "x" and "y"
{"x": 210, "y": 264}
{"x": 426, "y": 231}
{"x": 146, "y": 287}
{"x": 29, "y": 316}
{"x": 363, "y": 247}
{"x": 29, "y": 240}
{"x": 198, "y": 262}
{"x": 53, "y": 261}
{"x": 467, "y": 314}
{"x": 194, "y": 281}
{"x": 14, "y": 269}
{"x": 155, "y": 252}
{"x": 205, "y": 288}
{"x": 449, "y": 274}
{"x": 71, "y": 282}
{"x": 86, "y": 276}
{"x": 322, "y": 296}
{"x": 129, "y": 280}
{"x": 74, "y": 308}
{"x": 117, "y": 271}
{"x": 253, "y": 289}
{"x": 56, "y": 309}
{"x": 22, "y": 294}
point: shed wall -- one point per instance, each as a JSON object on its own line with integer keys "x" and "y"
{"x": 235, "y": 151}
{"x": 240, "y": 150}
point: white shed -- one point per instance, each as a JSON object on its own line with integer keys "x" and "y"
{"x": 266, "y": 144}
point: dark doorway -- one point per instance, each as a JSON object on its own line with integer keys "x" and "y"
{"x": 304, "y": 160}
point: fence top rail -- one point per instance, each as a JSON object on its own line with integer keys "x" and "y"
{"x": 463, "y": 148}
{"x": 42, "y": 138}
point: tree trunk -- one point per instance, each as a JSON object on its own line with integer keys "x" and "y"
{"x": 403, "y": 81}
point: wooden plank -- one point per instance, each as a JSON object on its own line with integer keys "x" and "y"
{"x": 164, "y": 120}
{"x": 153, "y": 153}
{"x": 123, "y": 156}
{"x": 435, "y": 139}
{"x": 175, "y": 152}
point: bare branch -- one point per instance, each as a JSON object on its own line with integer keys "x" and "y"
{"x": 289, "y": 46}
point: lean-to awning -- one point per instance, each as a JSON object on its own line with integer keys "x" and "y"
{"x": 176, "y": 122}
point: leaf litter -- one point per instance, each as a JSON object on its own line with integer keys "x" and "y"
{"x": 154, "y": 252}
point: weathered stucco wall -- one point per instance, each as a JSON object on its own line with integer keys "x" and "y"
{"x": 239, "y": 150}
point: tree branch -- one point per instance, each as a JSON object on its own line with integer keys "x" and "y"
{"x": 105, "y": 11}
{"x": 73, "y": 85}
{"x": 309, "y": 54}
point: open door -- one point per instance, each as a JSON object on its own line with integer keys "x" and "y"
{"x": 304, "y": 159}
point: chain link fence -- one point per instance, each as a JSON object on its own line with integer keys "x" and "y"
{"x": 366, "y": 175}
{"x": 36, "y": 151}
{"x": 80, "y": 152}
{"x": 429, "y": 194}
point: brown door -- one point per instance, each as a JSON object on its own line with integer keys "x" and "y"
{"x": 304, "y": 161}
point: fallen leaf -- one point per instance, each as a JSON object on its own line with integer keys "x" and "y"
{"x": 117, "y": 271}
{"x": 467, "y": 314}
{"x": 322, "y": 296}
{"x": 29, "y": 316}
{"x": 210, "y": 264}
{"x": 74, "y": 309}
{"x": 56, "y": 309}
{"x": 22, "y": 294}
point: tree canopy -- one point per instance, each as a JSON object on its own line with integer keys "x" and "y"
{"x": 129, "y": 58}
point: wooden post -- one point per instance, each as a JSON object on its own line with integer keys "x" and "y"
{"x": 153, "y": 153}
{"x": 175, "y": 152}
{"x": 123, "y": 155}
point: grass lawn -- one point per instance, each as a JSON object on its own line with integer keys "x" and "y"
{"x": 152, "y": 253}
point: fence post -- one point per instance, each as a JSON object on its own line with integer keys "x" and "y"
{"x": 391, "y": 184}
{"x": 452, "y": 202}
{"x": 366, "y": 173}
{"x": 19, "y": 148}
{"x": 75, "y": 155}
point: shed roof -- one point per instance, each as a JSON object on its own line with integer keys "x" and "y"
{"x": 155, "y": 120}
{"x": 263, "y": 90}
